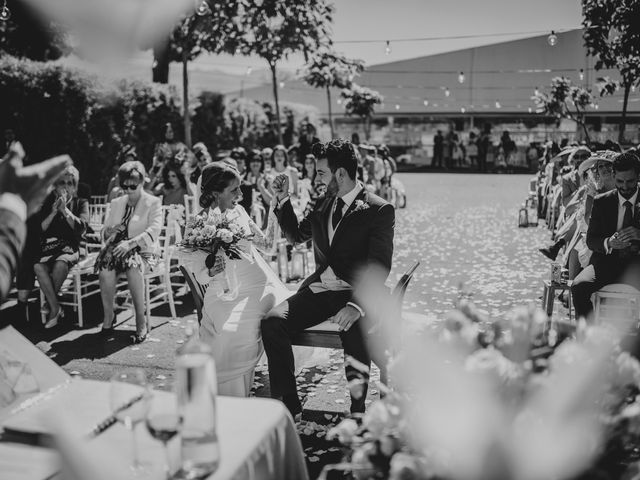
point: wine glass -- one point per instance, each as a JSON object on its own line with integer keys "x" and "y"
{"x": 129, "y": 401}
{"x": 163, "y": 423}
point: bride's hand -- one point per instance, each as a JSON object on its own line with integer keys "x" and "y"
{"x": 218, "y": 266}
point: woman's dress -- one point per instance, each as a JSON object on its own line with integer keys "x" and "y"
{"x": 231, "y": 322}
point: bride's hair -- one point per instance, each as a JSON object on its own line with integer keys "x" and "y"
{"x": 215, "y": 178}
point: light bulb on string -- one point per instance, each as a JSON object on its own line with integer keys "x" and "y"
{"x": 203, "y": 9}
{"x": 498, "y": 104}
{"x": 633, "y": 88}
{"x": 249, "y": 70}
{"x": 461, "y": 77}
{"x": 447, "y": 92}
{"x": 387, "y": 49}
{"x": 281, "y": 84}
{"x": 397, "y": 107}
{"x": 339, "y": 101}
{"x": 462, "y": 109}
{"x": 530, "y": 109}
{"x": 426, "y": 103}
{"x": 5, "y": 13}
{"x": 581, "y": 74}
{"x": 552, "y": 39}
{"x": 536, "y": 92}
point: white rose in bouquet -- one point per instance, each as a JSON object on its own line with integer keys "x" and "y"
{"x": 225, "y": 235}
{"x": 344, "y": 431}
{"x": 209, "y": 230}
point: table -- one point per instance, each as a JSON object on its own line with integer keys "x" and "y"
{"x": 258, "y": 441}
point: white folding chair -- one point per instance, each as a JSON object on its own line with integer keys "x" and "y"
{"x": 190, "y": 207}
{"x": 98, "y": 199}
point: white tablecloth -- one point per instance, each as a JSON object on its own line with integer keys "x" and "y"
{"x": 258, "y": 441}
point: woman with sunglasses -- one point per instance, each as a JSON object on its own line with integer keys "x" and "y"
{"x": 130, "y": 237}
{"x": 63, "y": 220}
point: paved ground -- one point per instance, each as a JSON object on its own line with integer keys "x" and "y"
{"x": 462, "y": 227}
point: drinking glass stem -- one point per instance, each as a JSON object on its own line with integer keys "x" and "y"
{"x": 134, "y": 444}
{"x": 167, "y": 459}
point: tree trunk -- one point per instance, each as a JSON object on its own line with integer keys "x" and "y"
{"x": 329, "y": 104}
{"x": 623, "y": 119}
{"x": 367, "y": 127}
{"x": 275, "y": 97}
{"x": 185, "y": 99}
{"x": 160, "y": 69}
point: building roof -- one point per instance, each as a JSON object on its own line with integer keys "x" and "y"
{"x": 498, "y": 79}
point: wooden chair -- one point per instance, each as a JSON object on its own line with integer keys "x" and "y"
{"x": 323, "y": 335}
{"x": 617, "y": 303}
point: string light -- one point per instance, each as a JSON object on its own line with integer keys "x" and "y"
{"x": 633, "y": 88}
{"x": 339, "y": 101}
{"x": 581, "y": 74}
{"x": 387, "y": 49}
{"x": 462, "y": 109}
{"x": 552, "y": 39}
{"x": 498, "y": 104}
{"x": 530, "y": 109}
{"x": 397, "y": 107}
{"x": 426, "y": 102}
{"x": 461, "y": 77}
{"x": 447, "y": 92}
{"x": 536, "y": 92}
{"x": 281, "y": 84}
{"x": 203, "y": 9}
{"x": 249, "y": 70}
{"x": 5, "y": 13}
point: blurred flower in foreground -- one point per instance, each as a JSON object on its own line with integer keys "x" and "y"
{"x": 471, "y": 398}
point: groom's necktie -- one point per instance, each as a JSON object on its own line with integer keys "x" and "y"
{"x": 337, "y": 214}
{"x": 627, "y": 219}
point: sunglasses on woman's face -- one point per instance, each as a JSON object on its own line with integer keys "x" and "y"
{"x": 62, "y": 183}
{"x": 130, "y": 186}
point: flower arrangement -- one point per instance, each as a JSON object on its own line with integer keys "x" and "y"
{"x": 519, "y": 397}
{"x": 214, "y": 232}
{"x": 359, "y": 206}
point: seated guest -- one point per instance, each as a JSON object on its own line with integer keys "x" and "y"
{"x": 571, "y": 181}
{"x": 203, "y": 158}
{"x": 22, "y": 190}
{"x": 255, "y": 184}
{"x": 613, "y": 236}
{"x": 63, "y": 220}
{"x": 130, "y": 237}
{"x": 174, "y": 186}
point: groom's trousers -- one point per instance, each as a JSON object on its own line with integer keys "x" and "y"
{"x": 301, "y": 311}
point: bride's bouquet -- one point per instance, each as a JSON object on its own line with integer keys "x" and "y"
{"x": 214, "y": 233}
{"x": 219, "y": 236}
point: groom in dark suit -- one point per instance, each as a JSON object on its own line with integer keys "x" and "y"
{"x": 613, "y": 236}
{"x": 352, "y": 230}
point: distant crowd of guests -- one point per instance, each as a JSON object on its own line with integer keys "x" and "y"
{"x": 589, "y": 196}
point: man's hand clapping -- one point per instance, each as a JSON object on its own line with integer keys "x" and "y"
{"x": 31, "y": 183}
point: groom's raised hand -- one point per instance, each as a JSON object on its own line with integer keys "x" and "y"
{"x": 281, "y": 186}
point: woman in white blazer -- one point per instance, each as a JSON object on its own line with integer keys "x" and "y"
{"x": 130, "y": 238}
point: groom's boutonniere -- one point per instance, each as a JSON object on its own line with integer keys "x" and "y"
{"x": 359, "y": 206}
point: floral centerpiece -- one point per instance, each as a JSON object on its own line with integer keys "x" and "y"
{"x": 515, "y": 398}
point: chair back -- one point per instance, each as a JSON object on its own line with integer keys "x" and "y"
{"x": 617, "y": 303}
{"x": 97, "y": 216}
{"x": 400, "y": 289}
{"x": 98, "y": 199}
{"x": 197, "y": 290}
{"x": 190, "y": 207}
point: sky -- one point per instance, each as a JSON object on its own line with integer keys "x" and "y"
{"x": 395, "y": 21}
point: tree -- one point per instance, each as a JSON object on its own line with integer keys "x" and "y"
{"x": 557, "y": 102}
{"x": 328, "y": 69}
{"x": 612, "y": 36}
{"x": 275, "y": 29}
{"x": 206, "y": 29}
{"x": 27, "y": 35}
{"x": 361, "y": 101}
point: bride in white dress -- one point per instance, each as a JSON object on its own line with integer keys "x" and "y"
{"x": 231, "y": 321}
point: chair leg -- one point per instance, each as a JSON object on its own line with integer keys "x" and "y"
{"x": 43, "y": 316}
{"x": 147, "y": 302}
{"x": 167, "y": 286}
{"x": 78, "y": 293}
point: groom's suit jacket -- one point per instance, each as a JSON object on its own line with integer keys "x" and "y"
{"x": 364, "y": 236}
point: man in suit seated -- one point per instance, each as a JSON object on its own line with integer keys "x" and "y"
{"x": 613, "y": 236}
{"x": 352, "y": 230}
